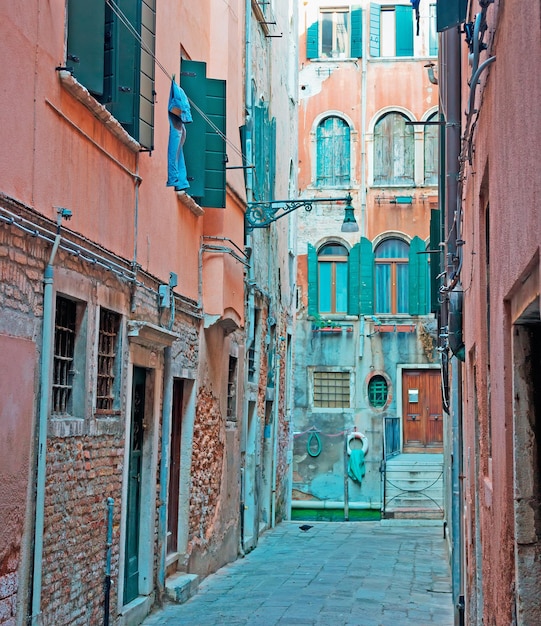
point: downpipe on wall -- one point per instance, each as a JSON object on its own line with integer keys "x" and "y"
{"x": 45, "y": 378}
{"x": 275, "y": 431}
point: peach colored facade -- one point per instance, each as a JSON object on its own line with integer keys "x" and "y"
{"x": 96, "y": 250}
{"x": 498, "y": 409}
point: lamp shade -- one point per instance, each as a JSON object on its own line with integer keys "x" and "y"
{"x": 349, "y": 224}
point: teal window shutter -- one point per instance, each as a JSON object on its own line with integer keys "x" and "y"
{"x": 435, "y": 259}
{"x": 404, "y": 31}
{"x": 215, "y": 156}
{"x": 354, "y": 279}
{"x": 312, "y": 281}
{"x": 193, "y": 81}
{"x": 125, "y": 67}
{"x": 366, "y": 282}
{"x": 418, "y": 278}
{"x": 450, "y": 13}
{"x": 146, "y": 74}
{"x": 356, "y": 32}
{"x": 375, "y": 19}
{"x": 312, "y": 41}
{"x": 432, "y": 32}
{"x": 272, "y": 157}
{"x": 86, "y": 34}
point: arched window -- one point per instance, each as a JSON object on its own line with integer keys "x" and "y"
{"x": 378, "y": 391}
{"x": 333, "y": 152}
{"x": 392, "y": 273}
{"x": 431, "y": 151}
{"x": 394, "y": 153}
{"x": 333, "y": 278}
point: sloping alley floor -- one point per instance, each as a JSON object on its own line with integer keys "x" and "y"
{"x": 333, "y": 574}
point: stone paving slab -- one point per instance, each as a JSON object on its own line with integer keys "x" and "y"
{"x": 335, "y": 574}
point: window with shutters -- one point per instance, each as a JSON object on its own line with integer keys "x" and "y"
{"x": 110, "y": 48}
{"x": 333, "y": 278}
{"x": 391, "y": 265}
{"x": 391, "y": 30}
{"x": 337, "y": 34}
{"x": 333, "y": 152}
{"x": 431, "y": 132}
{"x": 394, "y": 151}
{"x": 432, "y": 32}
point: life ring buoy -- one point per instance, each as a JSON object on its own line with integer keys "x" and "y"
{"x": 357, "y": 435}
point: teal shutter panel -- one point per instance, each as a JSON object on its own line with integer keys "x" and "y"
{"x": 146, "y": 83}
{"x": 450, "y": 13}
{"x": 375, "y": 19}
{"x": 194, "y": 146}
{"x": 435, "y": 259}
{"x": 215, "y": 156}
{"x": 418, "y": 278}
{"x": 86, "y": 34}
{"x": 313, "y": 306}
{"x": 126, "y": 54}
{"x": 272, "y": 157}
{"x": 354, "y": 279}
{"x": 356, "y": 32}
{"x": 404, "y": 30}
{"x": 312, "y": 41}
{"x": 366, "y": 287}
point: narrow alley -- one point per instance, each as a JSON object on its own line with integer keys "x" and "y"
{"x": 332, "y": 574}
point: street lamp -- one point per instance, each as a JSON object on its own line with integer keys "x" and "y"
{"x": 262, "y": 214}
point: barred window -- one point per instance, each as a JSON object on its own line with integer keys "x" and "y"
{"x": 108, "y": 343}
{"x": 232, "y": 389}
{"x": 332, "y": 390}
{"x": 64, "y": 352}
{"x": 378, "y": 391}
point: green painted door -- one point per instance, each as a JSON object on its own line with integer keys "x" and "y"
{"x": 131, "y": 569}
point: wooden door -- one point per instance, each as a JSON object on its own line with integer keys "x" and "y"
{"x": 174, "y": 468}
{"x": 422, "y": 414}
{"x": 131, "y": 566}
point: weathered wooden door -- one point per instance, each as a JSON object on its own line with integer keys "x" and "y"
{"x": 422, "y": 414}
{"x": 174, "y": 468}
{"x": 131, "y": 567}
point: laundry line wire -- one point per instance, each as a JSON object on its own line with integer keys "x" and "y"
{"x": 133, "y": 31}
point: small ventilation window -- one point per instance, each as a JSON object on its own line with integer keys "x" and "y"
{"x": 378, "y": 391}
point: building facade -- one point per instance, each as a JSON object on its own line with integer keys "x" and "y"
{"x": 491, "y": 318}
{"x": 365, "y": 364}
{"x": 123, "y": 301}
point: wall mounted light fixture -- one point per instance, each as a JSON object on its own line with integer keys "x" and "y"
{"x": 262, "y": 214}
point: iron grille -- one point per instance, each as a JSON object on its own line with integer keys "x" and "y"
{"x": 331, "y": 390}
{"x": 107, "y": 352}
{"x": 64, "y": 350}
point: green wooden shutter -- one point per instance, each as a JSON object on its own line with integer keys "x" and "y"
{"x": 375, "y": 19}
{"x": 272, "y": 158}
{"x": 418, "y": 278}
{"x": 312, "y": 41}
{"x": 450, "y": 13}
{"x": 354, "y": 279}
{"x": 366, "y": 282}
{"x": 435, "y": 259}
{"x": 194, "y": 147}
{"x": 125, "y": 67}
{"x": 86, "y": 34}
{"x": 146, "y": 86}
{"x": 404, "y": 30}
{"x": 215, "y": 156}
{"x": 313, "y": 305}
{"x": 356, "y": 32}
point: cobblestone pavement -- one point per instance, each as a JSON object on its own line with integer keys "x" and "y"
{"x": 334, "y": 574}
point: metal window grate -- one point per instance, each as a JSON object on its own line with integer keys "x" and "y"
{"x": 377, "y": 391}
{"x": 232, "y": 388}
{"x": 64, "y": 350}
{"x": 331, "y": 390}
{"x": 251, "y": 364}
{"x": 107, "y": 352}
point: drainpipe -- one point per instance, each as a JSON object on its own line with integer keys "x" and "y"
{"x": 275, "y": 431}
{"x": 164, "y": 464}
{"x": 451, "y": 53}
{"x": 45, "y": 377}
{"x": 363, "y": 129}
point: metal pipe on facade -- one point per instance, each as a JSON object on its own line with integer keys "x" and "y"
{"x": 275, "y": 430}
{"x": 109, "y": 546}
{"x": 45, "y": 378}
{"x": 167, "y": 407}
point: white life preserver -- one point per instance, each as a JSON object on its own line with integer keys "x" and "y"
{"x": 357, "y": 435}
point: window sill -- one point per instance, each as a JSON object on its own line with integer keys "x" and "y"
{"x": 81, "y": 93}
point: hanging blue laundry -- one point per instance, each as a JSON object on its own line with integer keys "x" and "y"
{"x": 179, "y": 115}
{"x": 415, "y": 6}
